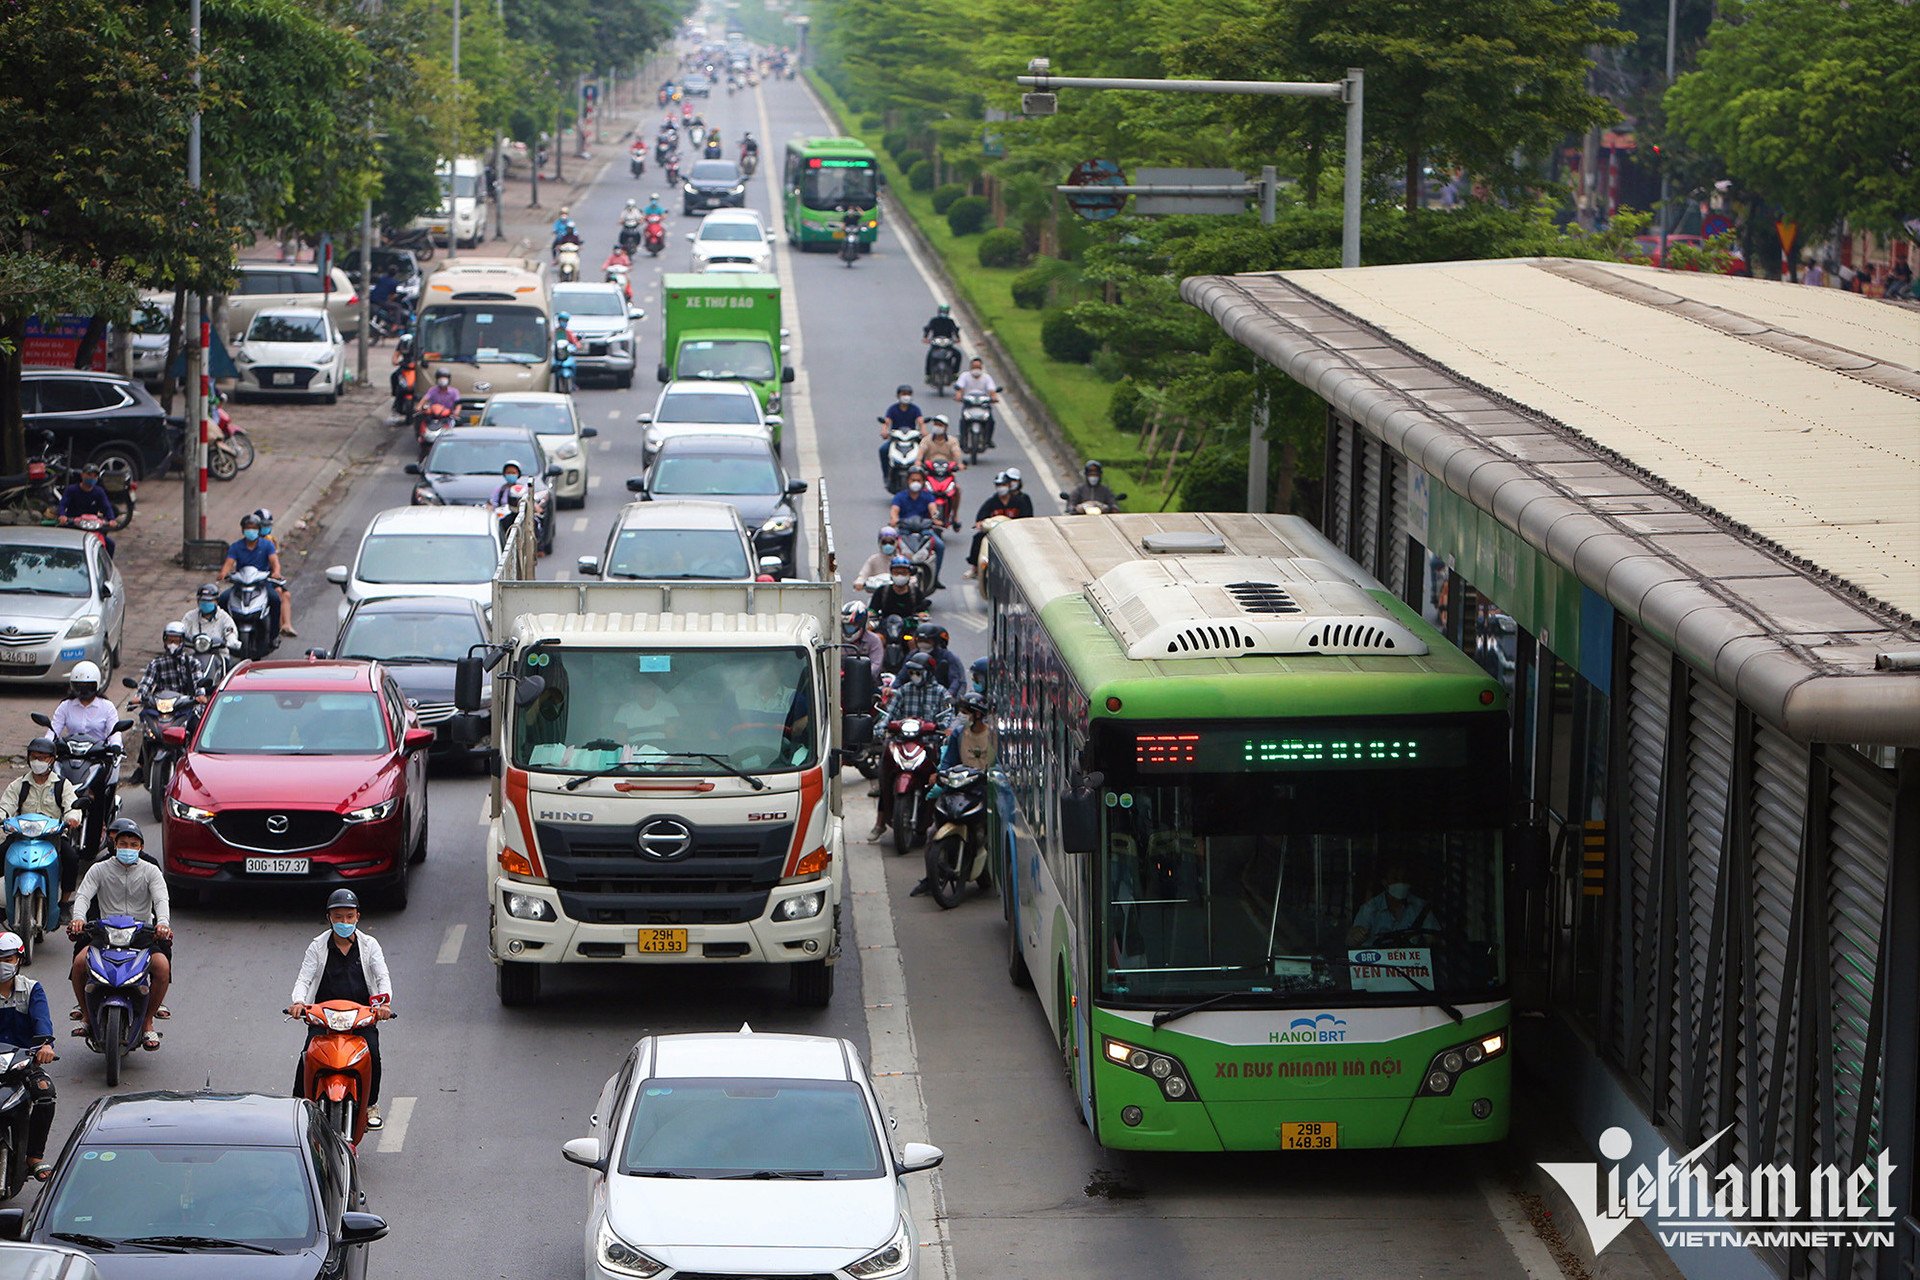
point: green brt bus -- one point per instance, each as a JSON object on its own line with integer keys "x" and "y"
{"x": 1248, "y": 837}
{"x": 822, "y": 176}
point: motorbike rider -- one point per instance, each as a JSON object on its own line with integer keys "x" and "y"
{"x": 172, "y": 669}
{"x": 916, "y": 696}
{"x": 87, "y": 498}
{"x": 878, "y": 563}
{"x": 442, "y": 393}
{"x": 345, "y": 963}
{"x": 26, "y": 1022}
{"x": 932, "y": 641}
{"x": 207, "y": 618}
{"x": 939, "y": 444}
{"x": 979, "y": 672}
{"x": 977, "y": 381}
{"x": 899, "y": 415}
{"x": 383, "y": 297}
{"x": 401, "y": 381}
{"x": 712, "y": 150}
{"x": 125, "y": 885}
{"x": 901, "y": 596}
{"x": 563, "y": 229}
{"x": 654, "y": 209}
{"x": 252, "y": 551}
{"x": 943, "y": 325}
{"x": 918, "y": 500}
{"x": 1091, "y": 489}
{"x": 944, "y": 485}
{"x": 857, "y": 634}
{"x": 1008, "y": 502}
{"x": 41, "y": 790}
{"x": 748, "y": 147}
{"x": 973, "y": 742}
{"x": 619, "y": 258}
{"x": 286, "y": 592}
{"x": 84, "y": 713}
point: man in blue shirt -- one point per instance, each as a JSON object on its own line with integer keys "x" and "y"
{"x": 903, "y": 413}
{"x": 26, "y": 1023}
{"x": 88, "y": 498}
{"x": 916, "y": 500}
{"x": 253, "y": 551}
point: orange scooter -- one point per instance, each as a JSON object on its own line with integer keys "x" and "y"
{"x": 336, "y": 1070}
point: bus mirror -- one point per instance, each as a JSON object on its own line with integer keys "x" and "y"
{"x": 1080, "y": 821}
{"x": 470, "y": 684}
{"x": 1529, "y": 866}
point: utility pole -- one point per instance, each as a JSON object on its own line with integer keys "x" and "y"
{"x": 453, "y": 155}
{"x": 193, "y": 466}
{"x": 1673, "y": 28}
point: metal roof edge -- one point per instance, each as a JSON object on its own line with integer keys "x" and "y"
{"x": 1784, "y": 687}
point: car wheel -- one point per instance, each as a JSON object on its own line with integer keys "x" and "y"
{"x": 118, "y": 460}
{"x": 426, "y": 831}
{"x": 332, "y": 397}
{"x": 395, "y": 894}
{"x": 574, "y": 504}
{"x": 626, "y": 380}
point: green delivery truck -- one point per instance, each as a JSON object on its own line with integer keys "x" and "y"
{"x": 725, "y": 325}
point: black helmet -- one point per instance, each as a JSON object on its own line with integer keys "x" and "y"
{"x": 207, "y": 591}
{"x": 918, "y": 662}
{"x": 251, "y": 520}
{"x": 1092, "y": 466}
{"x": 343, "y": 898}
{"x": 903, "y": 390}
{"x": 126, "y": 827}
{"x": 977, "y": 703}
{"x": 43, "y": 745}
{"x": 936, "y": 634}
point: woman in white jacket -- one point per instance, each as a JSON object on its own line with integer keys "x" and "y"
{"x": 345, "y": 963}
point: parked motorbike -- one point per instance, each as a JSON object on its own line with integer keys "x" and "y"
{"x": 91, "y": 769}
{"x": 255, "y": 609}
{"x": 567, "y": 255}
{"x": 903, "y": 449}
{"x": 564, "y": 368}
{"x": 119, "y": 961}
{"x": 943, "y": 363}
{"x": 418, "y": 239}
{"x": 336, "y": 1069}
{"x": 33, "y": 878}
{"x": 913, "y": 746}
{"x": 26, "y": 498}
{"x": 976, "y": 424}
{"x": 654, "y": 234}
{"x": 959, "y": 849}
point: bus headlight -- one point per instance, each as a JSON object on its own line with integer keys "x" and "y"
{"x": 1164, "y": 1068}
{"x": 1447, "y": 1066}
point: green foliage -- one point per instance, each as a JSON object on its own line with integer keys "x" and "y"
{"x": 967, "y": 215}
{"x": 944, "y": 196}
{"x": 1065, "y": 339}
{"x": 894, "y": 141}
{"x": 1215, "y": 479}
{"x": 1003, "y": 247}
{"x": 920, "y": 175}
{"x": 909, "y": 158}
{"x": 1128, "y": 410}
{"x": 1033, "y": 288}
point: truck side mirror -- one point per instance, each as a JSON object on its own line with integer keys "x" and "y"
{"x": 470, "y": 684}
{"x": 786, "y": 373}
{"x": 856, "y": 731}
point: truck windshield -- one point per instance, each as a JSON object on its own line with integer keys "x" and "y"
{"x": 659, "y": 711}
{"x": 483, "y": 333}
{"x": 741, "y": 358}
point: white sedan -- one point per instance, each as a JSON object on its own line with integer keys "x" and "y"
{"x": 750, "y": 1155}
{"x": 551, "y": 415}
{"x": 731, "y": 238}
{"x": 291, "y": 353}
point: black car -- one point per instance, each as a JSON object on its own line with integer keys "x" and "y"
{"x": 463, "y": 468}
{"x": 205, "y": 1185}
{"x": 715, "y": 184}
{"x": 96, "y": 417}
{"x": 418, "y": 639}
{"x": 738, "y": 470}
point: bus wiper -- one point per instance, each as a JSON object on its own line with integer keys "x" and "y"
{"x": 756, "y": 783}
{"x": 1165, "y": 1016}
{"x": 1412, "y": 978}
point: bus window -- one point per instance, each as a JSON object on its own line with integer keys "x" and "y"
{"x": 829, "y": 187}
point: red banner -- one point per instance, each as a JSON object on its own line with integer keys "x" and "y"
{"x": 55, "y": 344}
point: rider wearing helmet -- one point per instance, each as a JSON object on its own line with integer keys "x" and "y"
{"x": 84, "y": 713}
{"x": 87, "y": 498}
{"x": 1007, "y": 502}
{"x": 940, "y": 446}
{"x": 901, "y": 595}
{"x": 654, "y": 208}
{"x": 26, "y": 1021}
{"x": 917, "y": 695}
{"x": 878, "y": 563}
{"x": 441, "y": 393}
{"x": 973, "y": 740}
{"x": 207, "y": 618}
{"x": 943, "y": 325}
{"x": 916, "y": 501}
{"x": 903, "y": 414}
{"x": 172, "y": 669}
{"x": 748, "y": 147}
{"x": 124, "y": 885}
{"x": 1091, "y": 489}
{"x": 561, "y": 319}
{"x": 41, "y": 790}
{"x": 979, "y": 673}
{"x": 345, "y": 963}
{"x": 861, "y": 638}
{"x": 253, "y": 550}
{"x": 947, "y": 669}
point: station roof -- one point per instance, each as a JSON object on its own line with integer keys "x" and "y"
{"x": 1734, "y": 464}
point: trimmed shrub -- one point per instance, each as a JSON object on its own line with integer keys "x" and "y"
{"x": 894, "y": 141}
{"x": 1003, "y": 247}
{"x": 1127, "y": 410}
{"x": 1111, "y": 366}
{"x": 920, "y": 176}
{"x": 909, "y": 158}
{"x": 1215, "y": 479}
{"x": 944, "y": 196}
{"x": 1062, "y": 338}
{"x": 1031, "y": 287}
{"x": 967, "y": 215}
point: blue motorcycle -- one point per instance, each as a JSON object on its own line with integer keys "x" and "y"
{"x": 563, "y": 364}
{"x": 32, "y": 878}
{"x": 118, "y": 959}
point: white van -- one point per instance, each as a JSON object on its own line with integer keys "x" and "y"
{"x": 468, "y": 215}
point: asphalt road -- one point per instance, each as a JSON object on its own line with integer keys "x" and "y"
{"x": 479, "y": 1098}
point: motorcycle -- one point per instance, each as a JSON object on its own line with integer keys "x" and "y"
{"x": 630, "y": 233}
{"x": 564, "y": 368}
{"x": 654, "y": 234}
{"x": 429, "y": 422}
{"x": 171, "y": 709}
{"x": 405, "y": 378}
{"x": 637, "y": 160}
{"x": 16, "y": 1102}
{"x": 913, "y": 746}
{"x": 119, "y": 960}
{"x": 255, "y": 610}
{"x": 896, "y": 635}
{"x": 697, "y": 135}
{"x": 943, "y": 363}
{"x": 622, "y": 276}
{"x": 848, "y": 234}
{"x": 389, "y": 320}
{"x": 958, "y": 851}
{"x": 1091, "y": 508}
{"x": 673, "y": 171}
{"x": 91, "y": 770}
{"x": 26, "y": 498}
{"x": 33, "y": 878}
{"x": 903, "y": 449}
{"x": 336, "y": 1067}
{"x": 418, "y": 239}
{"x": 749, "y": 162}
{"x": 916, "y": 544}
{"x": 567, "y": 255}
{"x": 976, "y": 424}
{"x": 945, "y": 486}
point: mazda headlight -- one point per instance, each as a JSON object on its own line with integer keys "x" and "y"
{"x": 373, "y": 812}
{"x": 890, "y": 1259}
{"x": 83, "y": 626}
{"x": 777, "y": 525}
{"x": 187, "y": 813}
{"x": 621, "y": 1258}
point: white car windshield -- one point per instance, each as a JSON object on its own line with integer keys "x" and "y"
{"x": 541, "y": 417}
{"x": 43, "y": 571}
{"x": 678, "y": 553}
{"x": 805, "y": 1129}
{"x": 294, "y": 722}
{"x": 707, "y": 406}
{"x": 428, "y": 559}
{"x": 285, "y": 328}
{"x": 731, "y": 230}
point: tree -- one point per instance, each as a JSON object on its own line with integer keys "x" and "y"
{"x": 1811, "y": 104}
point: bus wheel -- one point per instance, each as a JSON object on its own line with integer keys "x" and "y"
{"x": 1016, "y": 963}
{"x": 1068, "y": 1066}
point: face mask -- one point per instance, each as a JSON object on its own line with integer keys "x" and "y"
{"x": 173, "y": 646}
{"x": 901, "y": 579}
{"x": 914, "y": 486}
{"x": 1001, "y": 490}
{"x": 906, "y": 399}
{"x": 939, "y": 431}
{"x": 445, "y": 383}
{"x": 251, "y": 535}
{"x": 86, "y": 482}
{"x": 8, "y": 968}
{"x": 266, "y": 530}
{"x": 40, "y": 768}
{"x": 341, "y": 929}
{"x": 509, "y": 475}
{"x": 206, "y": 608}
{"x": 1401, "y": 890}
{"x": 918, "y": 677}
{"x": 127, "y": 856}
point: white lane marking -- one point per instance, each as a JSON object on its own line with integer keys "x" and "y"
{"x": 393, "y": 1134}
{"x": 895, "y": 1061}
{"x": 613, "y": 415}
{"x": 450, "y": 945}
{"x": 578, "y": 524}
{"x": 606, "y": 446}
{"x": 593, "y": 483}
{"x": 1008, "y": 416}
{"x": 1528, "y": 1248}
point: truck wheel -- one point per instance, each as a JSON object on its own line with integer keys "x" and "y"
{"x": 811, "y": 983}
{"x": 519, "y": 984}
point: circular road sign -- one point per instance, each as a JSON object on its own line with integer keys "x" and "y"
{"x": 1091, "y": 205}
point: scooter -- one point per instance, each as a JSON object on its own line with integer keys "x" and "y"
{"x": 171, "y": 709}
{"x": 913, "y": 747}
{"x": 568, "y": 257}
{"x": 848, "y": 234}
{"x": 749, "y": 162}
{"x": 622, "y": 276}
{"x": 697, "y": 135}
{"x": 943, "y": 363}
{"x": 563, "y": 364}
{"x": 944, "y": 485}
{"x": 16, "y": 1102}
{"x": 1091, "y": 508}
{"x": 336, "y": 1068}
{"x": 673, "y": 170}
{"x": 654, "y": 234}
{"x": 33, "y": 878}
{"x": 896, "y": 634}
{"x": 428, "y": 423}
{"x": 916, "y": 544}
{"x": 958, "y": 851}
{"x": 90, "y": 770}
{"x": 630, "y": 233}
{"x": 637, "y": 160}
{"x": 119, "y": 959}
{"x": 976, "y": 424}
{"x": 903, "y": 450}
{"x": 255, "y": 610}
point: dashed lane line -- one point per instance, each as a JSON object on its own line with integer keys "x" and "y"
{"x": 450, "y": 945}
{"x": 393, "y": 1134}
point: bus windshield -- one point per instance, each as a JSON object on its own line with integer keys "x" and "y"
{"x": 1309, "y": 889}
{"x": 647, "y": 712}
{"x": 831, "y": 186}
{"x": 483, "y": 333}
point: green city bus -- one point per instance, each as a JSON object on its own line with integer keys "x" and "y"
{"x": 822, "y": 176}
{"x": 1248, "y": 815}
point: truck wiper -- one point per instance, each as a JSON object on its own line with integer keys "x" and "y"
{"x": 574, "y": 784}
{"x": 756, "y": 783}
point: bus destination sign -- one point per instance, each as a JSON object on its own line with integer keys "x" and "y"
{"x": 1281, "y": 750}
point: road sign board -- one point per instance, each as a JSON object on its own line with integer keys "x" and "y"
{"x": 1096, "y": 173}
{"x": 1178, "y": 202}
{"x": 1715, "y": 224}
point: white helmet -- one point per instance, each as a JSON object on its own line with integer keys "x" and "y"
{"x": 10, "y": 944}
{"x": 85, "y": 673}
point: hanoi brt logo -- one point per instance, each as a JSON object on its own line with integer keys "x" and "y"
{"x": 1696, "y": 1206}
{"x": 1322, "y": 1028}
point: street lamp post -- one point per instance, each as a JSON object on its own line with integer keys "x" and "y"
{"x": 453, "y": 156}
{"x": 194, "y": 330}
{"x": 1673, "y": 27}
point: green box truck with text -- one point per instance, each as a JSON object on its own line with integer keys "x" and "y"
{"x": 726, "y": 326}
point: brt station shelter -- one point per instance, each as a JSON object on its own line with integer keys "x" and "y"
{"x": 1679, "y": 515}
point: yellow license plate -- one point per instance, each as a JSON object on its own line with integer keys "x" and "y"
{"x": 1309, "y": 1135}
{"x": 667, "y": 942}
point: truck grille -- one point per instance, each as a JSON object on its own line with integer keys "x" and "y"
{"x": 603, "y": 878}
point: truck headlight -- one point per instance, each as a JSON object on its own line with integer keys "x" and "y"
{"x": 524, "y": 906}
{"x": 803, "y": 906}
{"x": 372, "y": 812}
